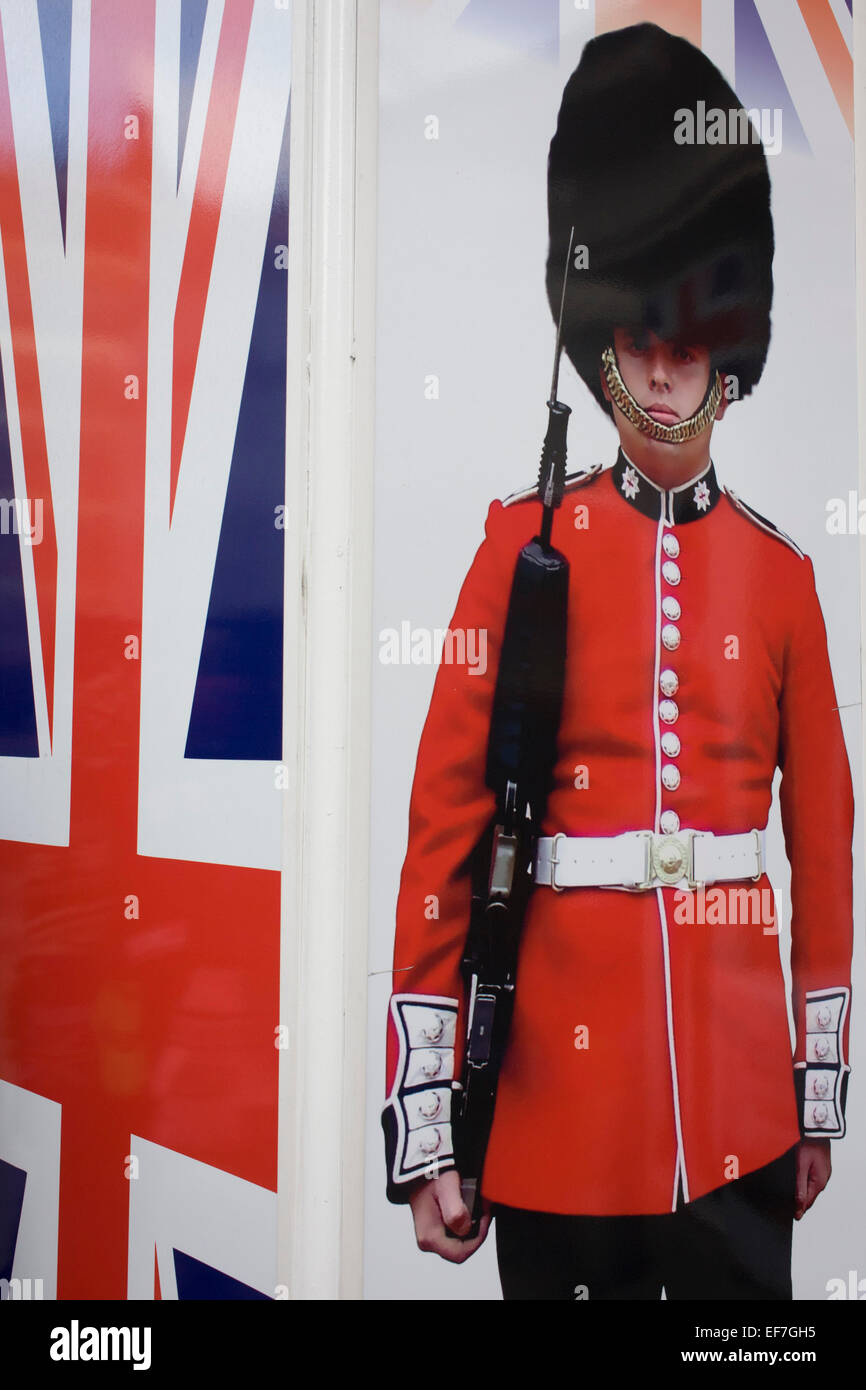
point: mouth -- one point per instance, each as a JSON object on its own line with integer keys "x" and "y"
{"x": 663, "y": 414}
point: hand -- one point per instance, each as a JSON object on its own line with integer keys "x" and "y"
{"x": 813, "y": 1172}
{"x": 436, "y": 1203}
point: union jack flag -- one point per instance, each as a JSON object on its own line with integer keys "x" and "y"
{"x": 795, "y": 57}
{"x": 144, "y": 149}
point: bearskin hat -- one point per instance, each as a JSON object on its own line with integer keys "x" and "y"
{"x": 679, "y": 236}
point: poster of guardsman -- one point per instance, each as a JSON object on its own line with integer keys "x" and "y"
{"x": 616, "y": 870}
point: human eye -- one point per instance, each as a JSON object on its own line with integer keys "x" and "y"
{"x": 633, "y": 341}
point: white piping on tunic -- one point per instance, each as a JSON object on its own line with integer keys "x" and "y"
{"x": 681, "y": 1159}
{"x": 680, "y": 1168}
{"x": 656, "y": 671}
{"x": 667, "y": 508}
{"x": 761, "y": 524}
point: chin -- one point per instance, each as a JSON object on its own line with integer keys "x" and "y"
{"x": 636, "y": 440}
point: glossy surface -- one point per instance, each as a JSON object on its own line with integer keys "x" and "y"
{"x": 139, "y": 928}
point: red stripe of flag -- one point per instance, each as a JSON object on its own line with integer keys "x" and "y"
{"x": 204, "y": 218}
{"x": 833, "y": 52}
{"x": 677, "y": 16}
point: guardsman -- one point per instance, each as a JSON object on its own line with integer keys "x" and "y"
{"x": 652, "y": 1128}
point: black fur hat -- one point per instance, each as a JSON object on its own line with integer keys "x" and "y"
{"x": 679, "y": 235}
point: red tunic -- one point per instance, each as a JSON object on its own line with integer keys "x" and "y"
{"x": 646, "y": 1046}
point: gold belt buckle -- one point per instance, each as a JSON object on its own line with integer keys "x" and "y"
{"x": 673, "y": 858}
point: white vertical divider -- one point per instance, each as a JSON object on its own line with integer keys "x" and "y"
{"x": 328, "y": 587}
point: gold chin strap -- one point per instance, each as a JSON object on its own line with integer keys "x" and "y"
{"x": 671, "y": 434}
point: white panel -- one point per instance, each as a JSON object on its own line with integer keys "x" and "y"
{"x": 209, "y": 810}
{"x": 576, "y": 28}
{"x": 28, "y": 516}
{"x": 34, "y": 792}
{"x": 30, "y": 1139}
{"x": 461, "y": 222}
{"x": 177, "y": 1203}
{"x": 805, "y": 79}
{"x": 717, "y": 36}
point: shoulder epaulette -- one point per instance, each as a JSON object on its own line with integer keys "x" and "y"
{"x": 572, "y": 480}
{"x": 763, "y": 523}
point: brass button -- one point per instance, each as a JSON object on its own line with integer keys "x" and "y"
{"x": 433, "y": 1031}
{"x": 429, "y": 1143}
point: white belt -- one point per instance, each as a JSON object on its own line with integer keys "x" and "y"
{"x": 640, "y": 859}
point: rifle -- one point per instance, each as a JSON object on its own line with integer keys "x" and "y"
{"x": 521, "y": 753}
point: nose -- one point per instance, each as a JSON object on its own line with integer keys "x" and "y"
{"x": 657, "y": 369}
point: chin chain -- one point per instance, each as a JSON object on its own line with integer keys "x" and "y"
{"x": 670, "y": 434}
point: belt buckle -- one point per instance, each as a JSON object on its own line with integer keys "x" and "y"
{"x": 673, "y": 858}
{"x": 554, "y": 860}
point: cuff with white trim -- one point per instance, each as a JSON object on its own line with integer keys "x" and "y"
{"x": 821, "y": 1079}
{"x": 417, "y": 1117}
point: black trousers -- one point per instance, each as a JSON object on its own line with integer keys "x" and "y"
{"x": 733, "y": 1243}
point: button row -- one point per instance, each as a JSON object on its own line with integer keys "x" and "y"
{"x": 668, "y": 710}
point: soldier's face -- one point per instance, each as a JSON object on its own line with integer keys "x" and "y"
{"x": 667, "y": 378}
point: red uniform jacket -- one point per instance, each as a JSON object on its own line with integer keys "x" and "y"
{"x": 648, "y": 1047}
